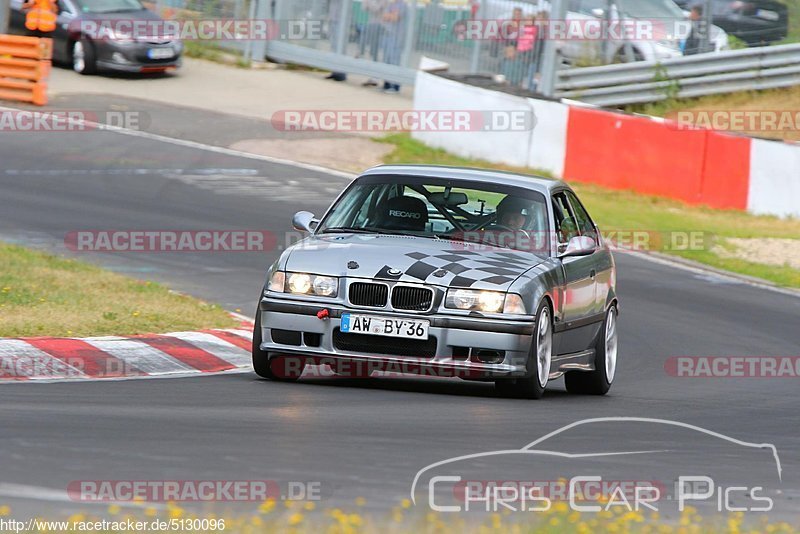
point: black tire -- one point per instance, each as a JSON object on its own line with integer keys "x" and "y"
{"x": 530, "y": 386}
{"x": 274, "y": 368}
{"x": 88, "y": 63}
{"x": 595, "y": 382}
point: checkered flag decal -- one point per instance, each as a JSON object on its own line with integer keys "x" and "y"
{"x": 462, "y": 268}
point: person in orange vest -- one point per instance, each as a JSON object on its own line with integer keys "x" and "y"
{"x": 41, "y": 16}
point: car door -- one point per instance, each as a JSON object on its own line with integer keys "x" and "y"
{"x": 575, "y": 331}
{"x": 602, "y": 263}
{"x": 66, "y": 16}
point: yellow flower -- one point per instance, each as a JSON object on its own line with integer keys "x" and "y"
{"x": 135, "y": 314}
{"x": 267, "y": 506}
{"x": 361, "y": 501}
{"x": 113, "y": 509}
{"x": 255, "y": 520}
{"x": 296, "y": 518}
{"x": 309, "y": 505}
{"x": 150, "y": 511}
{"x": 405, "y": 503}
{"x": 355, "y": 519}
{"x": 175, "y": 512}
{"x": 561, "y": 507}
{"x": 4, "y": 510}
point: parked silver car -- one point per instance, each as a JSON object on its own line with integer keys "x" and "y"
{"x": 448, "y": 271}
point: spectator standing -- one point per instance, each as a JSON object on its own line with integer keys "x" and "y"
{"x": 394, "y": 32}
{"x": 526, "y": 48}
{"x": 542, "y": 30}
{"x": 373, "y": 32}
{"x": 511, "y": 34}
{"x": 692, "y": 44}
{"x": 335, "y": 9}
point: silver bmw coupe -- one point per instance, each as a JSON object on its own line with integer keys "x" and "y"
{"x": 445, "y": 271}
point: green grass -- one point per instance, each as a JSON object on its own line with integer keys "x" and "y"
{"x": 770, "y": 100}
{"x": 794, "y": 22}
{"x": 628, "y": 211}
{"x": 46, "y": 295}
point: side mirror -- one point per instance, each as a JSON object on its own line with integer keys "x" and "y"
{"x": 304, "y": 221}
{"x": 580, "y": 246}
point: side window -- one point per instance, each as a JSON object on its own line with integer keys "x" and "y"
{"x": 585, "y": 224}
{"x": 566, "y": 225}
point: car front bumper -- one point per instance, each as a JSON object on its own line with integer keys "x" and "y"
{"x": 510, "y": 340}
{"x": 133, "y": 56}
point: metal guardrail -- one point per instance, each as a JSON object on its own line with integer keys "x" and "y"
{"x": 685, "y": 77}
{"x": 322, "y": 59}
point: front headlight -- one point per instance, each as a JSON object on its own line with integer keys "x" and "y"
{"x": 486, "y": 301}
{"x": 304, "y": 284}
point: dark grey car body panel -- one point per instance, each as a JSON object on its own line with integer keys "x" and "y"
{"x": 578, "y": 289}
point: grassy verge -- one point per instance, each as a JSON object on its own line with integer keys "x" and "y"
{"x": 46, "y": 295}
{"x": 772, "y": 100}
{"x": 628, "y": 211}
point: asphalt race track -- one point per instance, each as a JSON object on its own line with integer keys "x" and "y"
{"x": 357, "y": 437}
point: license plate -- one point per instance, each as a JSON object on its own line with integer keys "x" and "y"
{"x": 384, "y": 326}
{"x": 160, "y": 53}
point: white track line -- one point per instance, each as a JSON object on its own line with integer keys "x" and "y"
{"x": 194, "y": 144}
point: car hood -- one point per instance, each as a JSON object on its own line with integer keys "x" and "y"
{"x": 410, "y": 259}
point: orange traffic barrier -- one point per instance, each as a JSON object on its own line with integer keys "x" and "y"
{"x": 24, "y": 68}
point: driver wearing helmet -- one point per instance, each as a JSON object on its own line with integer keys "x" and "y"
{"x": 512, "y": 213}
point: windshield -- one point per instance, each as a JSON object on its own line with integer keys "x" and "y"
{"x": 651, "y": 9}
{"x": 108, "y": 6}
{"x": 491, "y": 214}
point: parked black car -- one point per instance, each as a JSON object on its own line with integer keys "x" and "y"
{"x": 757, "y": 22}
{"x": 114, "y": 51}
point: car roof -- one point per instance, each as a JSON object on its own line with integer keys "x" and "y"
{"x": 528, "y": 181}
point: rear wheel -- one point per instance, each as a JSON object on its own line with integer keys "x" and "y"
{"x": 533, "y": 384}
{"x": 599, "y": 381}
{"x": 278, "y": 368}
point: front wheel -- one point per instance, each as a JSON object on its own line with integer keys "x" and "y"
{"x": 83, "y": 57}
{"x": 533, "y": 384}
{"x": 278, "y": 368}
{"x": 599, "y": 381}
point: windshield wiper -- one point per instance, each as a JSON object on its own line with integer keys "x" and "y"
{"x": 351, "y": 230}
